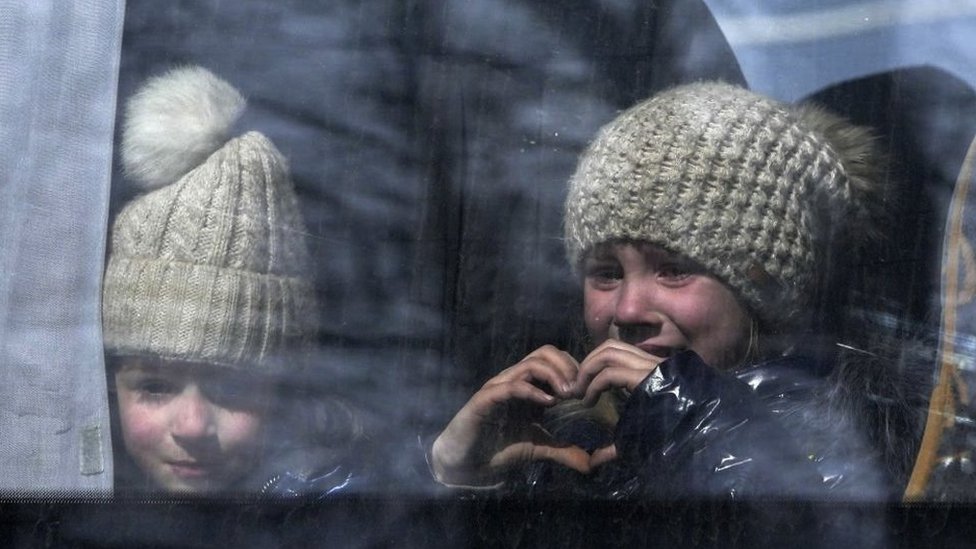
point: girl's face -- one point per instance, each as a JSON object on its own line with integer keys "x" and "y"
{"x": 640, "y": 294}
{"x": 190, "y": 428}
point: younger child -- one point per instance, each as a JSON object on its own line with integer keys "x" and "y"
{"x": 208, "y": 309}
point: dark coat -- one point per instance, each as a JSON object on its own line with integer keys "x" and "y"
{"x": 769, "y": 430}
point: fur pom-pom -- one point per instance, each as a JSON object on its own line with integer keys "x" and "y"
{"x": 174, "y": 122}
{"x": 862, "y": 207}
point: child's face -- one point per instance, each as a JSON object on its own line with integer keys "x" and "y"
{"x": 190, "y": 428}
{"x": 640, "y": 294}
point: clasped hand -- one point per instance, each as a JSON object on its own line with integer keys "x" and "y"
{"x": 500, "y": 426}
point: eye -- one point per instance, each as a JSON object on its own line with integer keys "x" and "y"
{"x": 676, "y": 272}
{"x": 156, "y": 389}
{"x": 233, "y": 393}
{"x": 603, "y": 275}
{"x": 157, "y": 386}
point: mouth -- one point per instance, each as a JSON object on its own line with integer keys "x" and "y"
{"x": 192, "y": 469}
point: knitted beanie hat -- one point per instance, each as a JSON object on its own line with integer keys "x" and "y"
{"x": 211, "y": 265}
{"x": 750, "y": 188}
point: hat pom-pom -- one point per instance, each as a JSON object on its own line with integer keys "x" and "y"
{"x": 175, "y": 122}
{"x": 860, "y": 202}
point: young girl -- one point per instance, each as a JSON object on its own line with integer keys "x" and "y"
{"x": 208, "y": 308}
{"x": 708, "y": 224}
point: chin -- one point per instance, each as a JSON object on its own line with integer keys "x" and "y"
{"x": 191, "y": 488}
{"x": 203, "y": 485}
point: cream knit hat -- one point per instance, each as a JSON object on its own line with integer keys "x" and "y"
{"x": 212, "y": 265}
{"x": 752, "y": 189}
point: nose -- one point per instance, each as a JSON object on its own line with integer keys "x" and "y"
{"x": 194, "y": 419}
{"x": 636, "y": 314}
{"x": 635, "y": 297}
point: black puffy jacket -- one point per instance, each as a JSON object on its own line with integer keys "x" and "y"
{"x": 765, "y": 431}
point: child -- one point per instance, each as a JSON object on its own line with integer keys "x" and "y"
{"x": 706, "y": 224}
{"x": 208, "y": 309}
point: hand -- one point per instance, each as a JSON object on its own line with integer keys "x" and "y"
{"x": 612, "y": 365}
{"x": 499, "y": 426}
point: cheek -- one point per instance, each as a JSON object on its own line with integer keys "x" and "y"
{"x": 239, "y": 430}
{"x": 143, "y": 428}
{"x": 717, "y": 328}
{"x": 597, "y": 313}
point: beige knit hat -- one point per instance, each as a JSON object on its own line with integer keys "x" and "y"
{"x": 752, "y": 189}
{"x": 212, "y": 265}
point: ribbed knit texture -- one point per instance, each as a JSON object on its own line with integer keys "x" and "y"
{"x": 212, "y": 268}
{"x": 722, "y": 175}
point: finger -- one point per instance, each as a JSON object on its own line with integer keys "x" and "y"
{"x": 539, "y": 373}
{"x": 618, "y": 355}
{"x": 613, "y": 377}
{"x": 616, "y": 347}
{"x": 468, "y": 424}
{"x": 556, "y": 358}
{"x": 485, "y": 401}
{"x": 559, "y": 359}
{"x": 623, "y": 346}
{"x": 603, "y": 455}
{"x": 573, "y": 457}
{"x": 611, "y": 352}
{"x": 559, "y": 376}
{"x": 453, "y": 454}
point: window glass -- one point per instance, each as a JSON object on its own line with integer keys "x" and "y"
{"x": 329, "y": 224}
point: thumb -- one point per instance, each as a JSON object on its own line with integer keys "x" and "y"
{"x": 573, "y": 457}
{"x": 603, "y": 455}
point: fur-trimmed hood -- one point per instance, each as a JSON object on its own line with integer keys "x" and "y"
{"x": 883, "y": 392}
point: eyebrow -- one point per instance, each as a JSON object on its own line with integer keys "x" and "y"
{"x": 600, "y": 253}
